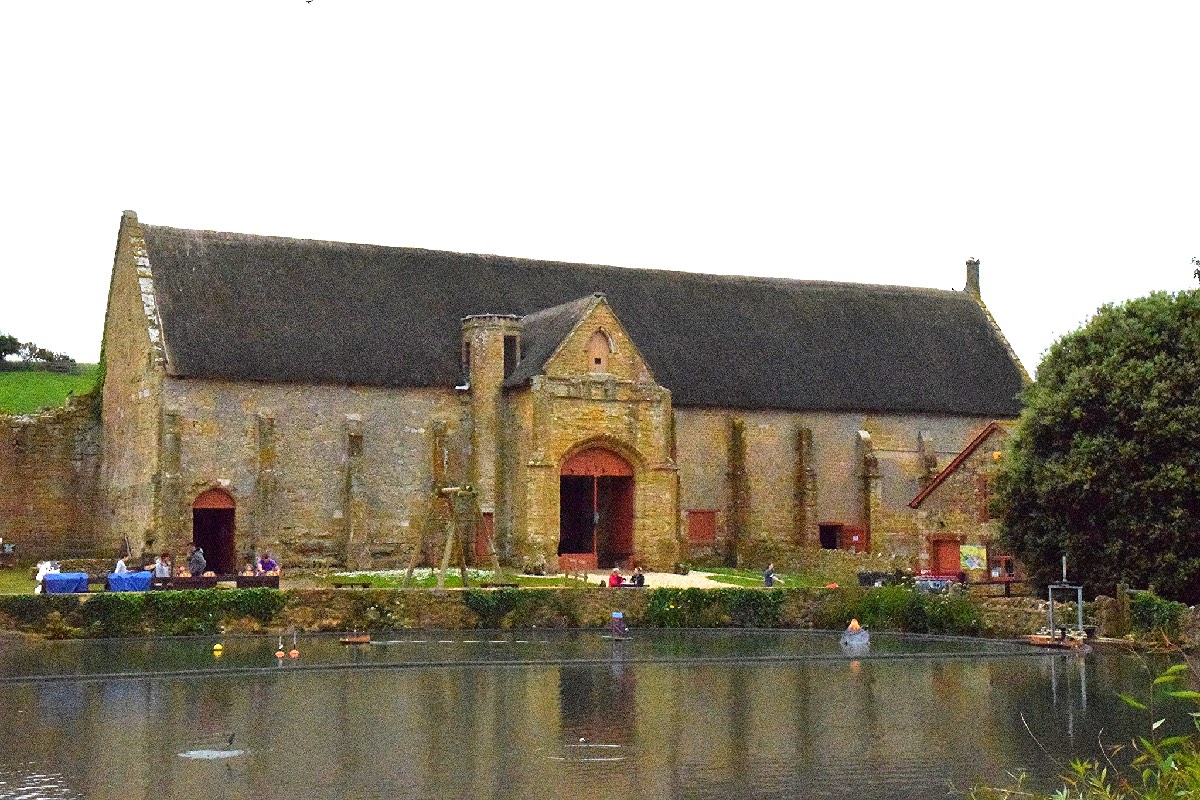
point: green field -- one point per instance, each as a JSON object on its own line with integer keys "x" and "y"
{"x": 26, "y": 391}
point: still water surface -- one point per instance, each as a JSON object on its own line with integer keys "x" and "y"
{"x": 696, "y": 714}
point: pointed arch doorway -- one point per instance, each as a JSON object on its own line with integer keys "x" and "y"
{"x": 213, "y": 530}
{"x": 595, "y": 501}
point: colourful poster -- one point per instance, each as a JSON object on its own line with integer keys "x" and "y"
{"x": 973, "y": 556}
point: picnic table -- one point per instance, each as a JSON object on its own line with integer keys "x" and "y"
{"x": 65, "y": 582}
{"x": 129, "y": 581}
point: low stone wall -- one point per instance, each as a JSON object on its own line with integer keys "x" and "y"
{"x": 169, "y": 613}
{"x": 258, "y": 610}
{"x": 49, "y": 471}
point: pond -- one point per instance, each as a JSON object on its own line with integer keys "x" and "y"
{"x": 678, "y": 714}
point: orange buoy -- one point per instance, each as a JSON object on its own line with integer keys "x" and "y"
{"x": 293, "y": 653}
{"x": 279, "y": 654}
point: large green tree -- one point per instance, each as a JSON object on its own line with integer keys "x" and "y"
{"x": 1104, "y": 466}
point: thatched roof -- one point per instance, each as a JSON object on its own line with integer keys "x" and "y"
{"x": 241, "y": 307}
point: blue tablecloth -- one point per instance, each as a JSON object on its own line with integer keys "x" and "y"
{"x": 64, "y": 582}
{"x": 130, "y": 581}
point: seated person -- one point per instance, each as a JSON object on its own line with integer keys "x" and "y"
{"x": 616, "y": 578}
{"x": 267, "y": 565}
{"x": 120, "y": 568}
{"x": 637, "y": 578}
{"x": 248, "y": 569}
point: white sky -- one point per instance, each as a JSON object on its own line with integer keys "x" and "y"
{"x": 871, "y": 142}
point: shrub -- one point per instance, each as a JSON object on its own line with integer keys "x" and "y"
{"x": 112, "y": 615}
{"x": 261, "y": 604}
{"x": 1150, "y": 613}
{"x": 901, "y": 608}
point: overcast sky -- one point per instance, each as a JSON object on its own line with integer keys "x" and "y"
{"x": 1059, "y": 143}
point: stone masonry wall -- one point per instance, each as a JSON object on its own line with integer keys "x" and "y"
{"x": 701, "y": 441}
{"x": 570, "y": 408}
{"x": 49, "y": 469}
{"x": 350, "y": 473}
{"x": 958, "y": 505}
{"x": 133, "y": 364}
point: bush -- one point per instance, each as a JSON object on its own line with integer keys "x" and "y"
{"x": 1149, "y": 613}
{"x": 901, "y": 608}
{"x": 119, "y": 614}
{"x": 109, "y": 616}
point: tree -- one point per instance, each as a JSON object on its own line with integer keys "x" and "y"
{"x": 1104, "y": 466}
{"x": 9, "y": 346}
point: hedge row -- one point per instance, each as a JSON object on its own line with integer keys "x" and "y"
{"x": 121, "y": 614}
{"x": 209, "y": 611}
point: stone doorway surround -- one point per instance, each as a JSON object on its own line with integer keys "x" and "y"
{"x": 214, "y": 530}
{"x": 596, "y": 497}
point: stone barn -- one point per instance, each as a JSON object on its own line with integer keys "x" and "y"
{"x": 347, "y": 405}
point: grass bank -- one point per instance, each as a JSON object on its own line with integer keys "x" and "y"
{"x": 26, "y": 391}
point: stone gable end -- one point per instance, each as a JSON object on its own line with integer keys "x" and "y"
{"x": 575, "y": 357}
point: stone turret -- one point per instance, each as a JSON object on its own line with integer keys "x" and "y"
{"x": 491, "y": 350}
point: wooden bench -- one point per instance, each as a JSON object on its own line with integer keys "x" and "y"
{"x": 351, "y": 584}
{"x": 498, "y": 585}
{"x": 257, "y": 581}
{"x": 191, "y": 582}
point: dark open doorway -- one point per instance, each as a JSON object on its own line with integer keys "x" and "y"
{"x": 596, "y": 509}
{"x": 213, "y": 530}
{"x": 829, "y": 533}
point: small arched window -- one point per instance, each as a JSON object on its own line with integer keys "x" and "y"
{"x": 598, "y": 349}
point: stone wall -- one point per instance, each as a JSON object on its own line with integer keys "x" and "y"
{"x": 321, "y": 475}
{"x": 133, "y": 363}
{"x": 776, "y": 445}
{"x": 569, "y": 409}
{"x": 958, "y": 505}
{"x": 49, "y": 470}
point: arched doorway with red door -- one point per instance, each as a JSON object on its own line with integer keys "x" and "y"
{"x": 214, "y": 530}
{"x": 595, "y": 500}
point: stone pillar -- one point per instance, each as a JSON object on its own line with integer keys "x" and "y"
{"x": 354, "y": 510}
{"x": 491, "y": 346}
{"x": 804, "y": 505}
{"x": 870, "y": 484}
{"x": 929, "y": 461}
{"x": 739, "y": 490}
{"x": 266, "y": 488}
{"x": 175, "y": 522}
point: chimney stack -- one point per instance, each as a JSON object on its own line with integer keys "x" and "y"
{"x": 973, "y": 278}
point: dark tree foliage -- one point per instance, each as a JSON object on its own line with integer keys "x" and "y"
{"x": 1104, "y": 466}
{"x": 9, "y": 346}
{"x": 31, "y": 354}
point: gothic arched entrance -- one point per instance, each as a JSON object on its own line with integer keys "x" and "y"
{"x": 595, "y": 500}
{"x": 213, "y": 530}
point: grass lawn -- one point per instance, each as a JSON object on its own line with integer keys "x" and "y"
{"x": 26, "y": 391}
{"x": 425, "y": 578}
{"x": 749, "y": 577}
{"x": 16, "y": 580}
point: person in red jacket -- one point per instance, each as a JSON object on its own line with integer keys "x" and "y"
{"x": 616, "y": 578}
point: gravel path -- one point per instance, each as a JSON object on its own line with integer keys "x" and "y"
{"x": 694, "y": 579}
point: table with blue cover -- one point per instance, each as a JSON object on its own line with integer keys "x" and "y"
{"x": 64, "y": 582}
{"x": 130, "y": 581}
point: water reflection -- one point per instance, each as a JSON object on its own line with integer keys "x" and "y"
{"x": 492, "y": 717}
